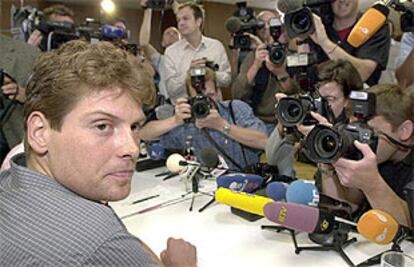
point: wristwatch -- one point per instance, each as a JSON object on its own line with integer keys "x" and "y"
{"x": 226, "y": 129}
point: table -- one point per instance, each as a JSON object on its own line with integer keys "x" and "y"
{"x": 222, "y": 238}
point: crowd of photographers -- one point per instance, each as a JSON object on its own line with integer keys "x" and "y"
{"x": 293, "y": 78}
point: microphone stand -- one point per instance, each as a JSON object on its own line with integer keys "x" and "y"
{"x": 340, "y": 241}
{"x": 195, "y": 176}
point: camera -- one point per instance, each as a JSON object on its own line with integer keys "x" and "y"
{"x": 200, "y": 106}
{"x": 243, "y": 21}
{"x": 407, "y": 16}
{"x": 302, "y": 67}
{"x": 158, "y": 4}
{"x": 277, "y": 53}
{"x": 291, "y": 111}
{"x": 299, "y": 22}
{"x": 198, "y": 78}
{"x": 326, "y": 144}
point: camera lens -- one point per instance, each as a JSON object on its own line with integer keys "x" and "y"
{"x": 277, "y": 55}
{"x": 323, "y": 144}
{"x": 301, "y": 23}
{"x": 289, "y": 111}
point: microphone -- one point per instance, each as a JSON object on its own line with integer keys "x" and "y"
{"x": 209, "y": 157}
{"x": 240, "y": 182}
{"x": 173, "y": 163}
{"x": 381, "y": 228}
{"x": 372, "y": 20}
{"x": 303, "y": 192}
{"x": 303, "y": 218}
{"x": 243, "y": 201}
{"x": 276, "y": 191}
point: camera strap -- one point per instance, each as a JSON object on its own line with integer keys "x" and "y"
{"x": 220, "y": 149}
{"x": 395, "y": 142}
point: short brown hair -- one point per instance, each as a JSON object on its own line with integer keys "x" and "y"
{"x": 342, "y": 72}
{"x": 198, "y": 11}
{"x": 394, "y": 103}
{"x": 61, "y": 77}
{"x": 59, "y": 10}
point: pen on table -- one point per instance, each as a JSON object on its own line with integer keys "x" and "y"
{"x": 144, "y": 199}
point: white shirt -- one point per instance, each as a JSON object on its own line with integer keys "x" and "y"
{"x": 178, "y": 59}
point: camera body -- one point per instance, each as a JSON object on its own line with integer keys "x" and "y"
{"x": 291, "y": 111}
{"x": 200, "y": 106}
{"x": 158, "y": 4}
{"x": 407, "y": 15}
{"x": 326, "y": 144}
{"x": 302, "y": 67}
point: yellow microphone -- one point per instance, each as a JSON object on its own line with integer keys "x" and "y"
{"x": 378, "y": 227}
{"x": 243, "y": 201}
{"x": 369, "y": 24}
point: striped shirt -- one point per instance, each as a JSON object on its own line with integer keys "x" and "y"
{"x": 44, "y": 224}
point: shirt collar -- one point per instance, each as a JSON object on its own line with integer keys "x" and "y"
{"x": 187, "y": 45}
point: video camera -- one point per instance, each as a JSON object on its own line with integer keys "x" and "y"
{"x": 243, "y": 21}
{"x": 326, "y": 144}
{"x": 299, "y": 22}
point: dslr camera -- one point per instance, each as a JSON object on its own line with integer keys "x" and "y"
{"x": 294, "y": 110}
{"x": 326, "y": 144}
{"x": 200, "y": 104}
{"x": 158, "y": 4}
{"x": 277, "y": 51}
{"x": 302, "y": 67}
{"x": 299, "y": 22}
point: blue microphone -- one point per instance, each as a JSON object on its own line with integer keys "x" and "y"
{"x": 240, "y": 182}
{"x": 277, "y": 191}
{"x": 303, "y": 192}
{"x": 155, "y": 150}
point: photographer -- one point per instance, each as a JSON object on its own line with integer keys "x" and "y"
{"x": 229, "y": 126}
{"x": 379, "y": 177}
{"x": 16, "y": 62}
{"x": 259, "y": 79}
{"x": 56, "y": 13}
{"x": 331, "y": 42}
{"x": 169, "y": 37}
{"x": 192, "y": 49}
{"x": 336, "y": 80}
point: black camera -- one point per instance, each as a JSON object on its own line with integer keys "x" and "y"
{"x": 244, "y": 13}
{"x": 326, "y": 144}
{"x": 407, "y": 15}
{"x": 302, "y": 67}
{"x": 158, "y": 4}
{"x": 291, "y": 111}
{"x": 277, "y": 53}
{"x": 299, "y": 22}
{"x": 200, "y": 106}
{"x": 198, "y": 78}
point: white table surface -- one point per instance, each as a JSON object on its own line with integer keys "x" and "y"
{"x": 222, "y": 238}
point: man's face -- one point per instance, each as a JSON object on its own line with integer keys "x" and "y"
{"x": 186, "y": 22}
{"x": 385, "y": 150}
{"x": 59, "y": 18}
{"x": 94, "y": 153}
{"x": 210, "y": 90}
{"x": 345, "y": 8}
{"x": 169, "y": 37}
{"x": 333, "y": 93}
{"x": 264, "y": 33}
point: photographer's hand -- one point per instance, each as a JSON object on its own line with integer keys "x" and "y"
{"x": 182, "y": 111}
{"x": 319, "y": 36}
{"x": 35, "y": 38}
{"x": 13, "y": 91}
{"x": 305, "y": 130}
{"x": 212, "y": 121}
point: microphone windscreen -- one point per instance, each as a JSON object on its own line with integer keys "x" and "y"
{"x": 233, "y": 24}
{"x": 240, "y": 182}
{"x": 173, "y": 163}
{"x": 276, "y": 190}
{"x": 285, "y": 6}
{"x": 293, "y": 216}
{"x": 155, "y": 151}
{"x": 378, "y": 226}
{"x": 209, "y": 157}
{"x": 368, "y": 25}
{"x": 243, "y": 201}
{"x": 302, "y": 192}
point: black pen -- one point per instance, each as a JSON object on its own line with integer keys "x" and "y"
{"x": 144, "y": 199}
